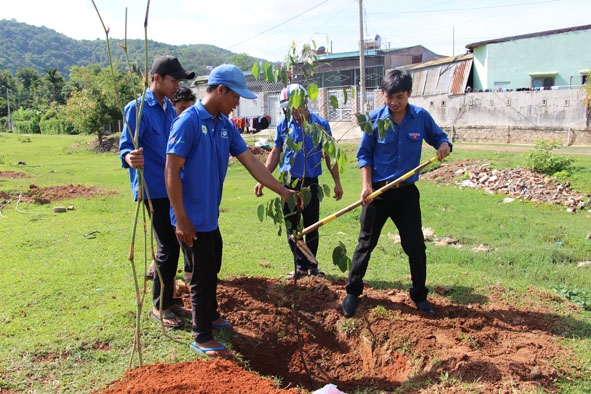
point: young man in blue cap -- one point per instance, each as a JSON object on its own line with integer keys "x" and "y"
{"x": 304, "y": 167}
{"x": 153, "y": 130}
{"x": 201, "y": 140}
{"x": 383, "y": 159}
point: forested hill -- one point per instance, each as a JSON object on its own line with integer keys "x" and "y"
{"x": 23, "y": 45}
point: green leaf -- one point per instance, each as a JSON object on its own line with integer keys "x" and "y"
{"x": 261, "y": 212}
{"x": 342, "y": 161}
{"x": 291, "y": 203}
{"x": 334, "y": 102}
{"x": 307, "y": 196}
{"x": 293, "y": 146}
{"x": 383, "y": 126}
{"x": 313, "y": 91}
{"x": 364, "y": 123}
{"x": 330, "y": 149}
{"x": 269, "y": 74}
{"x": 345, "y": 96}
{"x": 297, "y": 98}
{"x": 256, "y": 70}
{"x": 317, "y": 134}
{"x": 339, "y": 257}
{"x": 345, "y": 264}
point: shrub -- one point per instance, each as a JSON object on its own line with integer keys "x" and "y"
{"x": 543, "y": 160}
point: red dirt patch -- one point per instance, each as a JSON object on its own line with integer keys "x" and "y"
{"x": 45, "y": 195}
{"x": 486, "y": 346}
{"x": 13, "y": 174}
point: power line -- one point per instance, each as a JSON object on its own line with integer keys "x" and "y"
{"x": 462, "y": 9}
{"x": 279, "y": 24}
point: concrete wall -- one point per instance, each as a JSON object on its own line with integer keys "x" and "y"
{"x": 512, "y": 117}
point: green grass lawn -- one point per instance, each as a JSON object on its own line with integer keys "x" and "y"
{"x": 67, "y": 320}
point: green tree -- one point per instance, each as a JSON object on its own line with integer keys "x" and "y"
{"x": 93, "y": 105}
{"x": 56, "y": 81}
{"x": 28, "y": 80}
{"x": 7, "y": 93}
{"x": 242, "y": 61}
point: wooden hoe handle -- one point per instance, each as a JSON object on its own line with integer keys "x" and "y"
{"x": 372, "y": 195}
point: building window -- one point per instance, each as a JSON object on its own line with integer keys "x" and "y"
{"x": 542, "y": 83}
{"x": 543, "y": 80}
{"x": 584, "y": 76}
{"x": 501, "y": 85}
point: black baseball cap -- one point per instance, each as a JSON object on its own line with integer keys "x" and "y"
{"x": 170, "y": 65}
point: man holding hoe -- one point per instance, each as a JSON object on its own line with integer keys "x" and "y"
{"x": 382, "y": 160}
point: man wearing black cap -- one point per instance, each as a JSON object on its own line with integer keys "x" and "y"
{"x": 153, "y": 130}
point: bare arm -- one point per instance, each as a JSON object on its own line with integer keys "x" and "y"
{"x": 334, "y": 171}
{"x": 262, "y": 174}
{"x": 443, "y": 151}
{"x": 271, "y": 164}
{"x": 366, "y": 185}
{"x": 185, "y": 231}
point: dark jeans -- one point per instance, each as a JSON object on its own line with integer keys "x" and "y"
{"x": 206, "y": 258}
{"x": 310, "y": 215}
{"x": 403, "y": 207}
{"x": 167, "y": 252}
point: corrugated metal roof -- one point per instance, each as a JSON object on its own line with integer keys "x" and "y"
{"x": 443, "y": 60}
{"x": 443, "y": 76}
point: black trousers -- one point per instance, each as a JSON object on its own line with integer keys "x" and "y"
{"x": 167, "y": 252}
{"x": 402, "y": 206}
{"x": 206, "y": 259}
{"x": 310, "y": 215}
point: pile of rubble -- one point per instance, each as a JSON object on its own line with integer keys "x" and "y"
{"x": 517, "y": 183}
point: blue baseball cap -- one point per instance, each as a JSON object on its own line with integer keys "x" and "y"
{"x": 231, "y": 77}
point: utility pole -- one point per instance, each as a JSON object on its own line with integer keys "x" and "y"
{"x": 9, "y": 125}
{"x": 361, "y": 61}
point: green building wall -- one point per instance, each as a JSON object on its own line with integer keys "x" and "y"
{"x": 510, "y": 65}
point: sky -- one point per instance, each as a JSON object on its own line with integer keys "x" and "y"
{"x": 266, "y": 29}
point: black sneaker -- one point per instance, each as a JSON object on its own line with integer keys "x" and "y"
{"x": 316, "y": 272}
{"x": 349, "y": 305}
{"x": 425, "y": 306}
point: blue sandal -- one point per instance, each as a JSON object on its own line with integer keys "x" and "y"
{"x": 204, "y": 350}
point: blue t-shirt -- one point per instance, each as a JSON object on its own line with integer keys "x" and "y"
{"x": 153, "y": 132}
{"x": 308, "y": 161}
{"x": 400, "y": 151}
{"x": 205, "y": 143}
